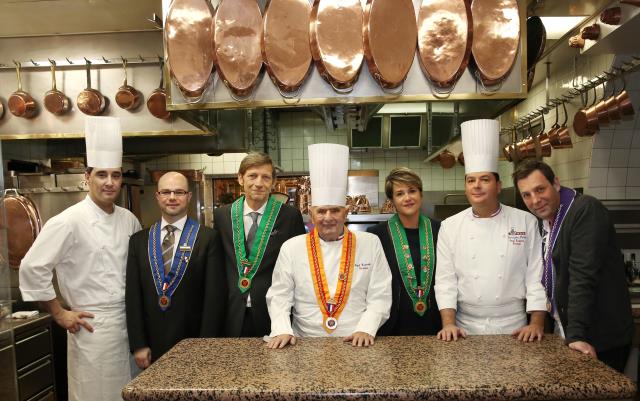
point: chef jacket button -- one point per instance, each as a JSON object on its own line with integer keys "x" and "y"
{"x": 476, "y": 276}
{"x": 471, "y": 237}
{"x": 473, "y": 256}
{"x": 502, "y": 255}
{"x": 497, "y": 297}
{"x": 500, "y": 276}
{"x": 479, "y": 296}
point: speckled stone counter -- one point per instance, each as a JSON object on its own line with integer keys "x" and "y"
{"x": 395, "y": 368}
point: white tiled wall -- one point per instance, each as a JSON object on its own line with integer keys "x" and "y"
{"x": 227, "y": 163}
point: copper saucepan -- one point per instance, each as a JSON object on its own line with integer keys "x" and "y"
{"x": 624, "y": 102}
{"x": 55, "y": 101}
{"x": 446, "y": 159}
{"x": 1, "y": 109}
{"x": 585, "y": 121}
{"x": 91, "y": 101}
{"x": 157, "y": 100}
{"x": 543, "y": 146}
{"x": 560, "y": 138}
{"x": 21, "y": 104}
{"x": 128, "y": 97}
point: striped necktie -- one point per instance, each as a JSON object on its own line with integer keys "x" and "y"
{"x": 167, "y": 248}
{"x": 251, "y": 235}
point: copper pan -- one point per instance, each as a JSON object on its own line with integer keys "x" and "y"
{"x": 188, "y": 37}
{"x": 445, "y": 34}
{"x": 390, "y": 35}
{"x": 625, "y": 107}
{"x": 1, "y": 109}
{"x": 90, "y": 101}
{"x": 157, "y": 100}
{"x": 601, "y": 107}
{"x": 128, "y": 97}
{"x": 545, "y": 144}
{"x": 461, "y": 158}
{"x": 446, "y": 159}
{"x": 496, "y": 32}
{"x": 22, "y": 224}
{"x": 21, "y": 104}
{"x": 585, "y": 121}
{"x": 611, "y": 16}
{"x": 611, "y": 103}
{"x": 55, "y": 101}
{"x": 237, "y": 51}
{"x": 285, "y": 44}
{"x": 560, "y": 138}
{"x": 506, "y": 151}
{"x": 335, "y": 31}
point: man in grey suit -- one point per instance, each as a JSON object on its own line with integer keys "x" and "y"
{"x": 252, "y": 230}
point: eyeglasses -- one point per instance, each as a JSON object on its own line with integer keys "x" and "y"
{"x": 179, "y": 193}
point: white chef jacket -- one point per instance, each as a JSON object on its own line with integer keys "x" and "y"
{"x": 292, "y": 290}
{"x": 88, "y": 249}
{"x": 489, "y": 270}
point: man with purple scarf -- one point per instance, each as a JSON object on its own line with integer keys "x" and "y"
{"x": 583, "y": 267}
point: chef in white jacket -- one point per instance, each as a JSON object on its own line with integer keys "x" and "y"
{"x": 87, "y": 246}
{"x": 489, "y": 261}
{"x": 332, "y": 282}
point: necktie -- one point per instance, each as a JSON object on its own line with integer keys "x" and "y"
{"x": 167, "y": 248}
{"x": 251, "y": 235}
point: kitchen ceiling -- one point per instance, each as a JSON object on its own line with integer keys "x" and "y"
{"x": 56, "y": 17}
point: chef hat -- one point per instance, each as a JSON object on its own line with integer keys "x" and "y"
{"x": 103, "y": 138}
{"x": 328, "y": 168}
{"x": 480, "y": 143}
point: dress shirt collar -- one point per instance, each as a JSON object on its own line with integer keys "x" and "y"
{"x": 246, "y": 209}
{"x": 179, "y": 225}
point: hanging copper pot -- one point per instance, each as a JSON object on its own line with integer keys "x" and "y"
{"x": 21, "y": 104}
{"x": 506, "y": 151}
{"x": 446, "y": 159}
{"x": 585, "y": 121}
{"x": 55, "y": 101}
{"x": 545, "y": 144}
{"x": 91, "y": 101}
{"x": 1, "y": 109}
{"x": 188, "y": 37}
{"x": 128, "y": 97}
{"x": 625, "y": 107}
{"x": 390, "y": 35}
{"x": 285, "y": 44}
{"x": 21, "y": 222}
{"x": 445, "y": 35}
{"x": 461, "y": 158}
{"x": 157, "y": 100}
{"x": 496, "y": 26}
{"x": 561, "y": 137}
{"x": 611, "y": 16}
{"x": 335, "y": 31}
{"x": 602, "y": 114}
{"x": 237, "y": 51}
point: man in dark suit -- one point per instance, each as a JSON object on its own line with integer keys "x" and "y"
{"x": 583, "y": 267}
{"x": 174, "y": 287}
{"x": 251, "y": 231}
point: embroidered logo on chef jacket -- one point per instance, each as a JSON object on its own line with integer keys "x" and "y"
{"x": 517, "y": 237}
{"x": 363, "y": 265}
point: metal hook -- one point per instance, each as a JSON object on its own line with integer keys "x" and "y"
{"x": 566, "y": 115}
{"x": 33, "y": 62}
{"x": 105, "y": 60}
{"x": 141, "y": 58}
{"x": 87, "y": 60}
{"x": 68, "y": 61}
{"x": 17, "y": 63}
{"x": 53, "y": 62}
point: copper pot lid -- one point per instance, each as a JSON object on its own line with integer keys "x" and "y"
{"x": 445, "y": 33}
{"x": 496, "y": 32}
{"x": 188, "y": 35}
{"x": 390, "y": 35}
{"x": 285, "y": 43}
{"x": 22, "y": 224}
{"x": 335, "y": 31}
{"x": 237, "y": 51}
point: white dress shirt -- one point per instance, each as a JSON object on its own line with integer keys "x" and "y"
{"x": 292, "y": 290}
{"x": 489, "y": 270}
{"x": 88, "y": 249}
{"x": 247, "y": 220}
{"x": 179, "y": 227}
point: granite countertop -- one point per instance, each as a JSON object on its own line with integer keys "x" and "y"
{"x": 398, "y": 368}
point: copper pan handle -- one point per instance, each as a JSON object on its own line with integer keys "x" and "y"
{"x": 124, "y": 67}
{"x": 88, "y": 73}
{"x": 342, "y": 91}
{"x": 18, "y": 65}
{"x": 53, "y": 75}
{"x": 486, "y": 91}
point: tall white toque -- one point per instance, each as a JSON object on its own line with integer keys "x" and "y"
{"x": 480, "y": 143}
{"x": 328, "y": 168}
{"x": 103, "y": 138}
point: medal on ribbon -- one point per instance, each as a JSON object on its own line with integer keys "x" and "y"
{"x": 331, "y": 307}
{"x": 167, "y": 285}
{"x": 418, "y": 294}
{"x": 248, "y": 264}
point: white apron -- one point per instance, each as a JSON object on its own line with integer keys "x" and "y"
{"x": 99, "y": 364}
{"x": 494, "y": 319}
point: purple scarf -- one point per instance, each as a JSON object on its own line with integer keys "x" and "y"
{"x": 567, "y": 195}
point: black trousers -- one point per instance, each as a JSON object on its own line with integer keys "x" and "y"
{"x": 248, "y": 326}
{"x": 615, "y": 357}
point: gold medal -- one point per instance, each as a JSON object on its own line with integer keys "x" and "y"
{"x": 419, "y": 307}
{"x": 331, "y": 323}
{"x": 244, "y": 282}
{"x": 164, "y": 301}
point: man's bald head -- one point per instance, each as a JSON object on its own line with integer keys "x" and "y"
{"x": 175, "y": 178}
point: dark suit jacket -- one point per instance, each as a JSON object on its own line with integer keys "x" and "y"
{"x": 197, "y": 305}
{"x": 288, "y": 224}
{"x": 591, "y": 289}
{"x": 431, "y": 322}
